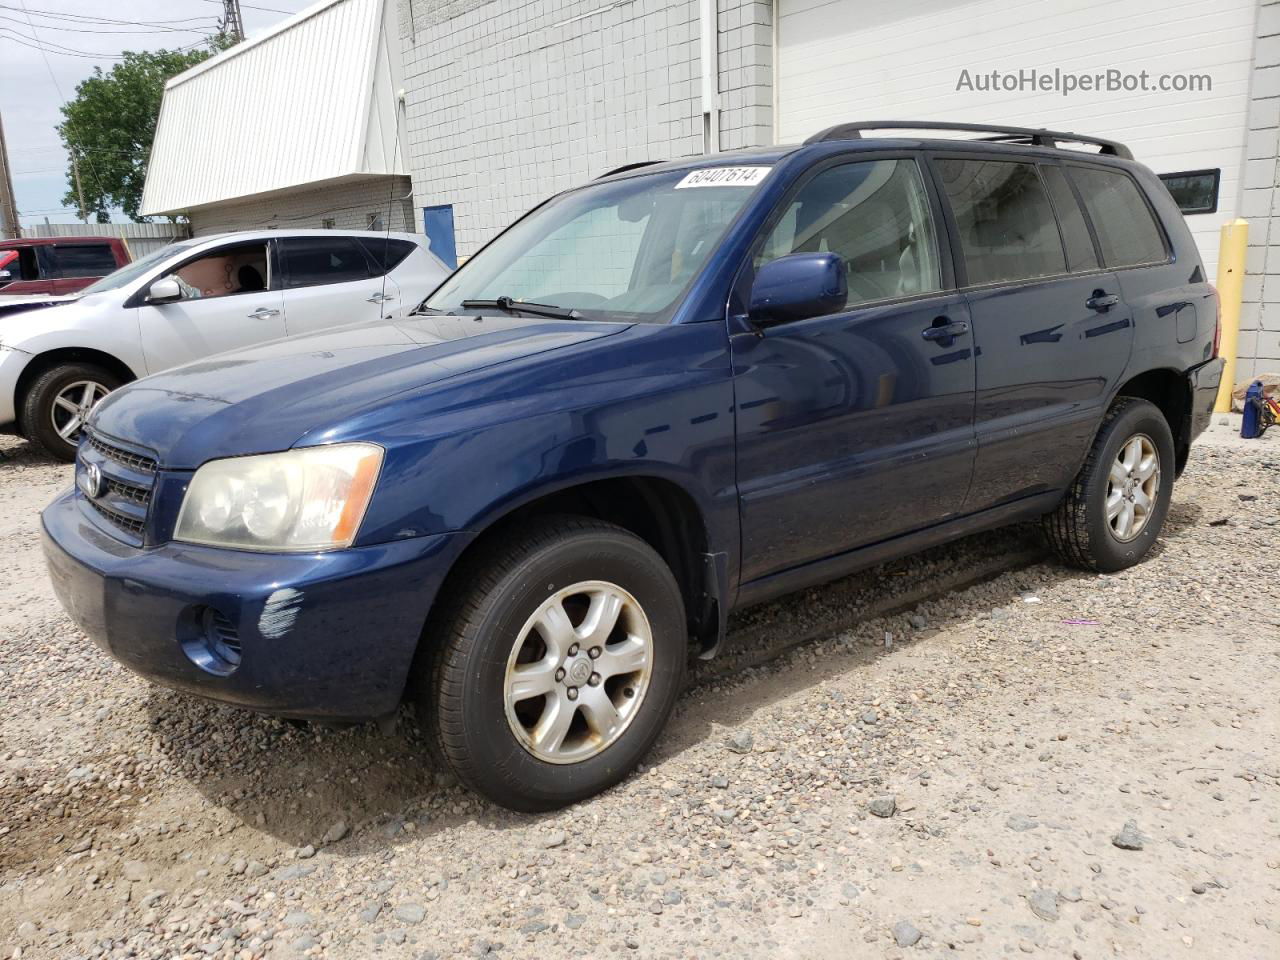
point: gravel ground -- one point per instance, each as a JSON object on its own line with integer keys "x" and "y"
{"x": 973, "y": 751}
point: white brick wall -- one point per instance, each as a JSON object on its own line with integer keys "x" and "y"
{"x": 1259, "y": 349}
{"x": 510, "y": 101}
{"x": 348, "y": 203}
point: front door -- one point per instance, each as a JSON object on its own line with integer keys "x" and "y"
{"x": 231, "y": 299}
{"x": 856, "y": 426}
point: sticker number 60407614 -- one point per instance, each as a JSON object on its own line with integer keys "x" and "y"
{"x": 724, "y": 177}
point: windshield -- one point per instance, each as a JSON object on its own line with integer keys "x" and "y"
{"x": 131, "y": 271}
{"x": 621, "y": 251}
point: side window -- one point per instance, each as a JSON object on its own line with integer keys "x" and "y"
{"x": 224, "y": 271}
{"x": 386, "y": 254}
{"x": 310, "y": 261}
{"x": 84, "y": 260}
{"x": 1127, "y": 232}
{"x": 875, "y": 214}
{"x": 1075, "y": 233}
{"x": 1006, "y": 226}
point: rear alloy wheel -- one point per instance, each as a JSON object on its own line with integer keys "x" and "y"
{"x": 1116, "y": 506}
{"x": 557, "y": 664}
{"x": 58, "y": 404}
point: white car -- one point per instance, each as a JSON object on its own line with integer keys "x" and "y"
{"x": 192, "y": 299}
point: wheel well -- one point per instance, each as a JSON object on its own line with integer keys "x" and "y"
{"x": 1168, "y": 390}
{"x": 659, "y": 512}
{"x": 53, "y": 358}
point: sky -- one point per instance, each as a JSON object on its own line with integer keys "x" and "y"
{"x": 31, "y": 92}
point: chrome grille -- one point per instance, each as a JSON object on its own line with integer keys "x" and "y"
{"x": 133, "y": 461}
{"x": 132, "y": 525}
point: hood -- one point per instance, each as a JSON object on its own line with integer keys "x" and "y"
{"x": 11, "y": 306}
{"x": 265, "y": 398}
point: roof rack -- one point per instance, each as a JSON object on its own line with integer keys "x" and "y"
{"x": 628, "y": 166}
{"x": 1001, "y": 134}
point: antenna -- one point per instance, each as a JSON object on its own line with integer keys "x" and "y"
{"x": 232, "y": 23}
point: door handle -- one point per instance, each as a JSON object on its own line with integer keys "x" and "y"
{"x": 263, "y": 313}
{"x": 945, "y": 330}
{"x": 1102, "y": 301}
{"x": 379, "y": 298}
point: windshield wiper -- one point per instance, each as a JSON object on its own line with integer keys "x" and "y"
{"x": 510, "y": 305}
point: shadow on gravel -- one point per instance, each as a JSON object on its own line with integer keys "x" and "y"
{"x": 296, "y": 782}
{"x": 15, "y": 452}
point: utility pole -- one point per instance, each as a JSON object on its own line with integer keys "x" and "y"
{"x": 232, "y": 22}
{"x": 75, "y": 172}
{"x": 9, "y": 226}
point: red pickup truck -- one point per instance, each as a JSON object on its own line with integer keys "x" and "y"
{"x": 56, "y": 265}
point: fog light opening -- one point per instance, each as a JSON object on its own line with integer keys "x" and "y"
{"x": 212, "y": 643}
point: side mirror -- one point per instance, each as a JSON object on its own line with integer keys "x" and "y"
{"x": 5, "y": 276}
{"x": 799, "y": 286}
{"x": 164, "y": 290}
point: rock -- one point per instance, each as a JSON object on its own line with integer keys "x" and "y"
{"x": 135, "y": 871}
{"x": 1020, "y": 823}
{"x": 556, "y": 838}
{"x": 905, "y": 934}
{"x": 335, "y": 833}
{"x": 411, "y": 913}
{"x": 740, "y": 741}
{"x": 369, "y": 912}
{"x": 883, "y": 806}
{"x": 871, "y": 716}
{"x": 918, "y": 622}
{"x": 1071, "y": 895}
{"x": 295, "y": 872}
{"x": 1198, "y": 888}
{"x": 307, "y": 852}
{"x": 1128, "y": 838}
{"x": 81, "y": 845}
{"x": 254, "y": 869}
{"x": 303, "y": 943}
{"x": 1044, "y": 904}
{"x": 297, "y": 918}
{"x": 574, "y": 920}
{"x": 655, "y": 906}
{"x": 720, "y": 781}
{"x": 534, "y": 926}
{"x": 28, "y": 931}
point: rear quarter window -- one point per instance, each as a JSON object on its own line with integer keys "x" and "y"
{"x": 84, "y": 260}
{"x": 1127, "y": 230}
{"x": 386, "y": 254}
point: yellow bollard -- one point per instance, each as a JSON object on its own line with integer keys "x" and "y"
{"x": 1235, "y": 240}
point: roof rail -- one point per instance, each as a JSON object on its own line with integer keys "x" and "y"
{"x": 629, "y": 166}
{"x": 1000, "y": 133}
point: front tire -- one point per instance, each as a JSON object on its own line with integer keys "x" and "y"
{"x": 59, "y": 401}
{"x": 557, "y": 666}
{"x": 1117, "y": 504}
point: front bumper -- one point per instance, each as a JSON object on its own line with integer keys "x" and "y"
{"x": 12, "y": 363}
{"x": 1203, "y": 382}
{"x": 322, "y": 636}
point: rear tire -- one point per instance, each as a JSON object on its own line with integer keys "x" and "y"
{"x": 1117, "y": 504}
{"x": 57, "y": 403}
{"x": 536, "y": 710}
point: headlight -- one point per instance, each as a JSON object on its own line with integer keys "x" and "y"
{"x": 312, "y": 498}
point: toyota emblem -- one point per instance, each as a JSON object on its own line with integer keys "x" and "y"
{"x": 91, "y": 481}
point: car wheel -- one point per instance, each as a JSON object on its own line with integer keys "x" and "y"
{"x": 558, "y": 665}
{"x": 1117, "y": 504}
{"x": 59, "y": 402}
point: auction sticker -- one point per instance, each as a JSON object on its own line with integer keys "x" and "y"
{"x": 724, "y": 177}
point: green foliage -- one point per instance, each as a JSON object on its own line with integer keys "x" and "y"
{"x": 110, "y": 124}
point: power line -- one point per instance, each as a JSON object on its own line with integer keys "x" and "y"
{"x": 88, "y": 18}
{"x": 24, "y": 42}
{"x": 248, "y": 6}
{"x": 100, "y": 29}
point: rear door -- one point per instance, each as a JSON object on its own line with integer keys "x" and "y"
{"x": 855, "y": 426}
{"x": 1052, "y": 332}
{"x": 331, "y": 280}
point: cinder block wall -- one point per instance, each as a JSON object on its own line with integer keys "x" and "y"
{"x": 1259, "y": 350}
{"x": 509, "y": 102}
{"x": 349, "y": 204}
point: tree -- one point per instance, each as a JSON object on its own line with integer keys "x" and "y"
{"x": 109, "y": 126}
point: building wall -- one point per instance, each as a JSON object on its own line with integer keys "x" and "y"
{"x": 348, "y": 204}
{"x": 509, "y": 101}
{"x": 1259, "y": 349}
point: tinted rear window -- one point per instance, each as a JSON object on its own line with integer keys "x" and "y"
{"x": 84, "y": 260}
{"x": 386, "y": 254}
{"x": 1006, "y": 225}
{"x": 1127, "y": 232}
{"x": 315, "y": 260}
{"x": 1075, "y": 234}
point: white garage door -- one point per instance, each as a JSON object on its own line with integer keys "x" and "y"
{"x": 841, "y": 60}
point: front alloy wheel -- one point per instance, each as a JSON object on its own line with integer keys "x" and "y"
{"x": 557, "y": 664}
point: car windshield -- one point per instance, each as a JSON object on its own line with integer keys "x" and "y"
{"x": 131, "y": 271}
{"x": 622, "y": 251}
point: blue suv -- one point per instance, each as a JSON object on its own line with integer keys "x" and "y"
{"x": 675, "y": 391}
